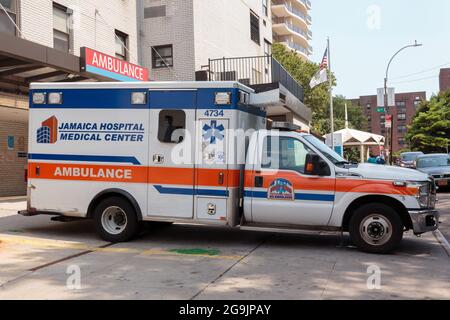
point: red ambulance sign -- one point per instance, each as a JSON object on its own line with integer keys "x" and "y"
{"x": 110, "y": 67}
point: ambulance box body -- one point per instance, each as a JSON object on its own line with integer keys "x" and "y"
{"x": 199, "y": 152}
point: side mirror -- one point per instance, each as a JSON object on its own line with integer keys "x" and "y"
{"x": 316, "y": 166}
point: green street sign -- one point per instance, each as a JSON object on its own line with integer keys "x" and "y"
{"x": 381, "y": 110}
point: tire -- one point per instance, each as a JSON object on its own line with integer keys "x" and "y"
{"x": 116, "y": 220}
{"x": 376, "y": 228}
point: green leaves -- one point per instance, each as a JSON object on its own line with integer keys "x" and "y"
{"x": 318, "y": 99}
{"x": 430, "y": 130}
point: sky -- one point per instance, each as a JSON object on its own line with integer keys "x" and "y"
{"x": 365, "y": 34}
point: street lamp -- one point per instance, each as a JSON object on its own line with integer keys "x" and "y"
{"x": 386, "y": 96}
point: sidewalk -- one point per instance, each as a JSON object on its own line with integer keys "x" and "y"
{"x": 9, "y": 206}
{"x": 13, "y": 199}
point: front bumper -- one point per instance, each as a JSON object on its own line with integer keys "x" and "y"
{"x": 424, "y": 220}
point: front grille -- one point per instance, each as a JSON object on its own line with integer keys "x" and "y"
{"x": 432, "y": 190}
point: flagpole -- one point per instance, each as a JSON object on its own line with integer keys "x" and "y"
{"x": 331, "y": 95}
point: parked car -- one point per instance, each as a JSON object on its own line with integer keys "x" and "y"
{"x": 437, "y": 165}
{"x": 407, "y": 159}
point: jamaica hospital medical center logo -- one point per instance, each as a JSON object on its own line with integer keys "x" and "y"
{"x": 48, "y": 133}
{"x": 53, "y": 131}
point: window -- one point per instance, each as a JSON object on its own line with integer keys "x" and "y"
{"x": 61, "y": 28}
{"x": 402, "y": 129}
{"x": 401, "y": 141}
{"x": 383, "y": 117}
{"x": 417, "y": 103}
{"x": 121, "y": 45}
{"x": 6, "y": 25}
{"x": 267, "y": 49}
{"x": 172, "y": 125}
{"x": 400, "y": 104}
{"x": 162, "y": 56}
{"x": 154, "y": 12}
{"x": 265, "y": 7}
{"x": 369, "y": 106}
{"x": 254, "y": 27}
{"x": 284, "y": 153}
{"x": 401, "y": 116}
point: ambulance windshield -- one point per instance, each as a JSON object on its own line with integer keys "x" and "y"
{"x": 326, "y": 151}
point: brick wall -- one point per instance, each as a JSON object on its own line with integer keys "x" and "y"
{"x": 198, "y": 30}
{"x": 11, "y": 166}
{"x": 175, "y": 28}
{"x": 444, "y": 79}
{"x": 89, "y": 29}
{"x": 369, "y": 107}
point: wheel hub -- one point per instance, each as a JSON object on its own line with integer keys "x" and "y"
{"x": 114, "y": 220}
{"x": 376, "y": 230}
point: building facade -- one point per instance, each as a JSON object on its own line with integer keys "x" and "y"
{"x": 178, "y": 37}
{"x": 292, "y": 25}
{"x": 41, "y": 42}
{"x": 444, "y": 79}
{"x": 403, "y": 114}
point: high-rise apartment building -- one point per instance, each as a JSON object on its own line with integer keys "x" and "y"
{"x": 291, "y": 24}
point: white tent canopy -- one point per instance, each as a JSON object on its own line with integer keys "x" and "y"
{"x": 356, "y": 138}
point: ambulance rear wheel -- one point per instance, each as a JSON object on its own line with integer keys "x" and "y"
{"x": 376, "y": 228}
{"x": 116, "y": 220}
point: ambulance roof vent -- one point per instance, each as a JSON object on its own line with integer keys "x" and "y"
{"x": 285, "y": 126}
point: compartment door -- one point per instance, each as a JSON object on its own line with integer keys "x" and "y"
{"x": 211, "y": 178}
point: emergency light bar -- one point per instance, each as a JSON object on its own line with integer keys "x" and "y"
{"x": 223, "y": 98}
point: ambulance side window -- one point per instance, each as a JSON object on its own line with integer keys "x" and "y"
{"x": 284, "y": 153}
{"x": 172, "y": 126}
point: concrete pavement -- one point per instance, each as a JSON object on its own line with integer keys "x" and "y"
{"x": 38, "y": 258}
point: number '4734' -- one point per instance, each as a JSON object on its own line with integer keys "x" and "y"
{"x": 214, "y": 113}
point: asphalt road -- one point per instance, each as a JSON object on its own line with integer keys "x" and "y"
{"x": 40, "y": 259}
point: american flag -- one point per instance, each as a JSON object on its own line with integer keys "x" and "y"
{"x": 322, "y": 75}
{"x": 324, "y": 64}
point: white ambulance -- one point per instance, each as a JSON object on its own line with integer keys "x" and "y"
{"x": 199, "y": 152}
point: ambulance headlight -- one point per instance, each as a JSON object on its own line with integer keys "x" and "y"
{"x": 139, "y": 98}
{"x": 39, "y": 98}
{"x": 223, "y": 98}
{"x": 55, "y": 98}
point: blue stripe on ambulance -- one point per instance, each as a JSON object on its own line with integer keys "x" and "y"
{"x": 203, "y": 99}
{"x": 298, "y": 196}
{"x": 192, "y": 191}
{"x": 83, "y": 158}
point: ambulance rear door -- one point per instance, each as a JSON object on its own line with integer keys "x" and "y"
{"x": 171, "y": 153}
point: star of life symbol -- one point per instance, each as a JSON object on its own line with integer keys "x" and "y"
{"x": 213, "y": 132}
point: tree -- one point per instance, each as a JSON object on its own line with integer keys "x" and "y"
{"x": 355, "y": 116}
{"x": 318, "y": 98}
{"x": 430, "y": 129}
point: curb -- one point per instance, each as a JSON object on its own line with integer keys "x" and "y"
{"x": 441, "y": 239}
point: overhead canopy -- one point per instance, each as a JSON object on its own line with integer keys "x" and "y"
{"x": 353, "y": 137}
{"x": 23, "y": 62}
{"x": 361, "y": 139}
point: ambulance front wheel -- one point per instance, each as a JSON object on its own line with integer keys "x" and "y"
{"x": 116, "y": 220}
{"x": 376, "y": 228}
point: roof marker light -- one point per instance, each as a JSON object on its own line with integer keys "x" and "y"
{"x": 55, "y": 98}
{"x": 138, "y": 97}
{"x": 39, "y": 98}
{"x": 222, "y": 98}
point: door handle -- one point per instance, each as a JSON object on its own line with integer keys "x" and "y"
{"x": 221, "y": 178}
{"x": 259, "y": 182}
{"x": 158, "y": 159}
